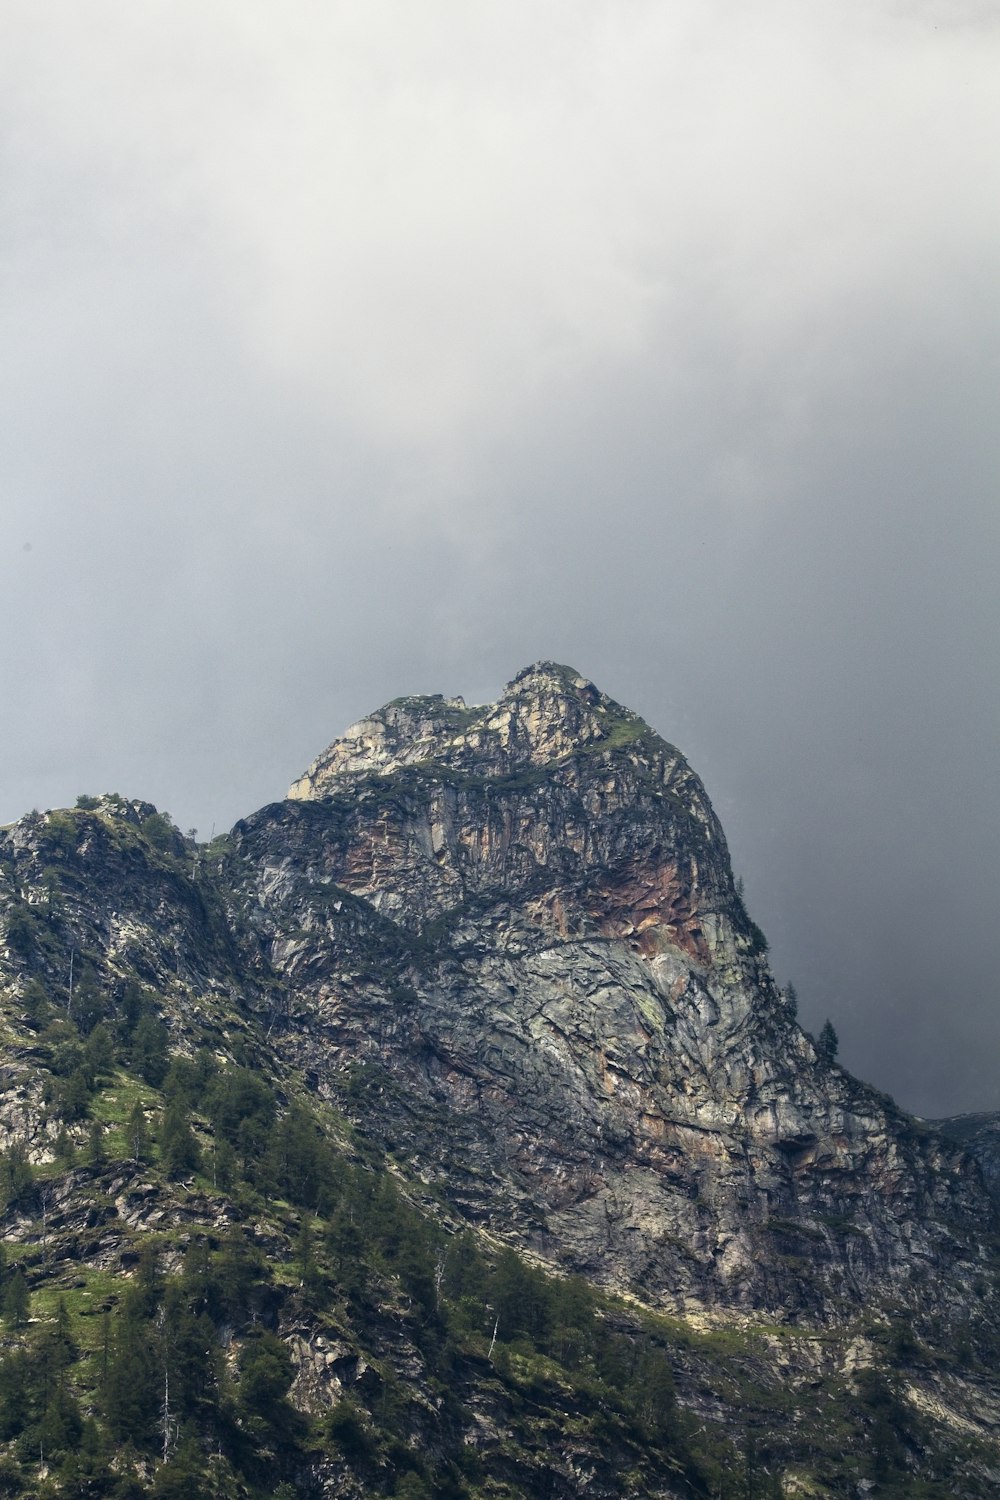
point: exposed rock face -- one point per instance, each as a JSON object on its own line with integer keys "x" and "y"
{"x": 980, "y": 1135}
{"x": 506, "y": 942}
{"x": 513, "y": 931}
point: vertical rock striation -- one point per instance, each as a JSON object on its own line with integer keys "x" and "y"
{"x": 512, "y": 935}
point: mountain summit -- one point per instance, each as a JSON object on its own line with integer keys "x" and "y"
{"x": 435, "y": 1122}
{"x": 569, "y": 979}
{"x": 548, "y": 711}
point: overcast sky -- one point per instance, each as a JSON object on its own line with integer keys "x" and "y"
{"x": 353, "y": 349}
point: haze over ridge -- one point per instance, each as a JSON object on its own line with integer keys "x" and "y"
{"x": 357, "y": 353}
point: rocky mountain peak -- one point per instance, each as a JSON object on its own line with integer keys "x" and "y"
{"x": 489, "y": 962}
{"x": 548, "y": 711}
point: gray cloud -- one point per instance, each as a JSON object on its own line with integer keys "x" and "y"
{"x": 361, "y": 350}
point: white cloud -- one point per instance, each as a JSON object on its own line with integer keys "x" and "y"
{"x": 424, "y": 217}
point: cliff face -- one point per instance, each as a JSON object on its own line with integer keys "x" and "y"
{"x": 512, "y": 936}
{"x": 485, "y": 967}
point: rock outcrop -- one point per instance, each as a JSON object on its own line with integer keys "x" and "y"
{"x": 513, "y": 932}
{"x": 485, "y": 969}
{"x": 979, "y": 1134}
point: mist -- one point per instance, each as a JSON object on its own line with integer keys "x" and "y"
{"x": 363, "y": 350}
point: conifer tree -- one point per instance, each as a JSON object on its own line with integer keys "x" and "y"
{"x": 96, "y": 1154}
{"x": 60, "y": 1427}
{"x": 827, "y": 1043}
{"x": 64, "y": 1148}
{"x": 178, "y": 1148}
{"x": 16, "y": 1175}
{"x": 16, "y": 1300}
{"x": 100, "y": 1052}
{"x": 73, "y": 1098}
{"x": 130, "y": 1390}
{"x": 150, "y": 1042}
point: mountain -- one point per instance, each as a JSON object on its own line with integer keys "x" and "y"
{"x": 470, "y": 1051}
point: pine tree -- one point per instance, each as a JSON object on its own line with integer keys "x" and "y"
{"x": 100, "y": 1052}
{"x": 150, "y": 1042}
{"x": 62, "y": 1331}
{"x": 64, "y": 1148}
{"x": 178, "y": 1148}
{"x": 130, "y": 1390}
{"x": 16, "y": 1176}
{"x": 266, "y": 1373}
{"x": 223, "y": 1164}
{"x": 73, "y": 1097}
{"x": 96, "y": 1154}
{"x": 59, "y": 1429}
{"x": 16, "y": 1300}
{"x": 827, "y": 1043}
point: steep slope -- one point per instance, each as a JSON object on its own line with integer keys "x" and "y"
{"x": 980, "y": 1136}
{"x": 209, "y": 1287}
{"x": 300, "y": 1132}
{"x": 513, "y": 932}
